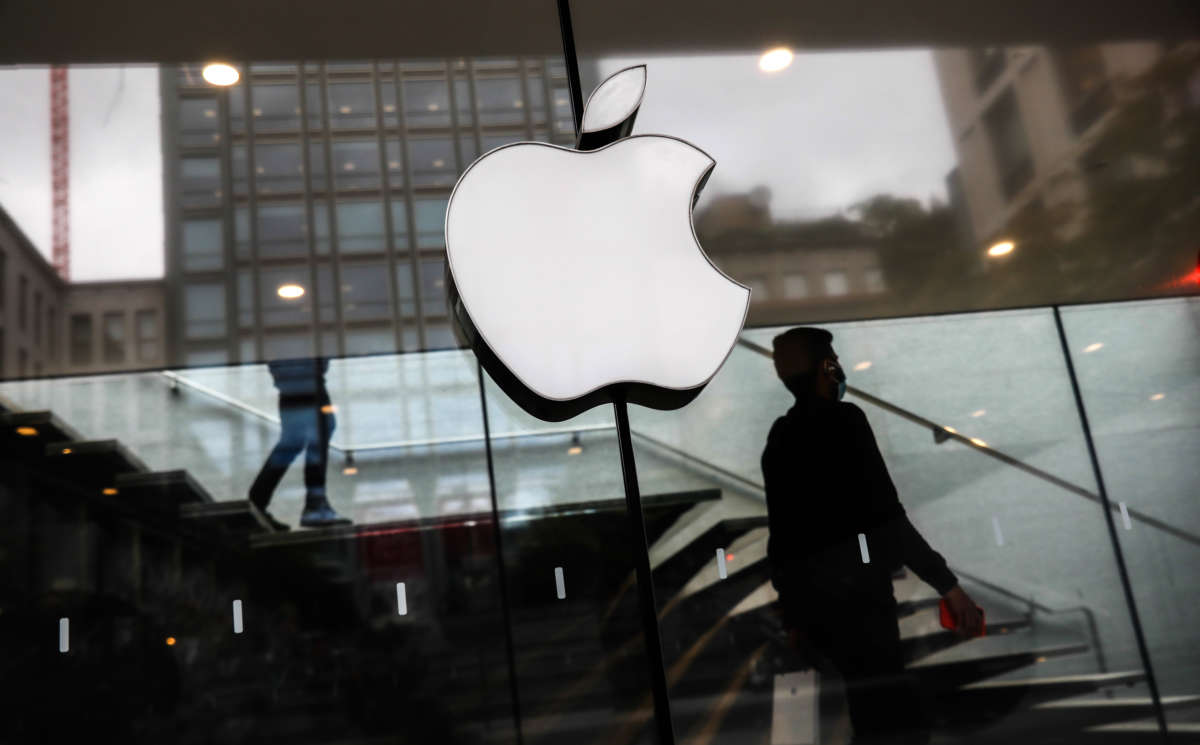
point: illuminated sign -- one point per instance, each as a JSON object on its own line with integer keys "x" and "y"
{"x": 575, "y": 274}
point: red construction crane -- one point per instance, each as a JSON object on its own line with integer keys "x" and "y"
{"x": 60, "y": 169}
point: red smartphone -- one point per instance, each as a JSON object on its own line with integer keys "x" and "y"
{"x": 950, "y": 622}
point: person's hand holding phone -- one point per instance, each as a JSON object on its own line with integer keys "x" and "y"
{"x": 968, "y": 617}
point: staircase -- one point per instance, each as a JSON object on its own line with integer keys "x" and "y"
{"x": 326, "y": 657}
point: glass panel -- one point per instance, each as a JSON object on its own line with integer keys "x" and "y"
{"x": 200, "y": 181}
{"x": 241, "y": 167}
{"x": 147, "y": 335}
{"x": 279, "y": 168}
{"x": 204, "y": 311}
{"x": 430, "y": 218}
{"x": 360, "y": 227}
{"x": 1137, "y": 365}
{"x": 241, "y": 232}
{"x": 462, "y": 99}
{"x": 198, "y": 122}
{"x": 395, "y": 162}
{"x": 314, "y": 106}
{"x": 500, "y": 99}
{"x": 426, "y": 102}
{"x": 365, "y": 292}
{"x": 277, "y": 296}
{"x": 281, "y": 231}
{"x": 114, "y": 337}
{"x": 276, "y": 107}
{"x": 356, "y": 164}
{"x": 399, "y": 224}
{"x": 245, "y": 298}
{"x": 433, "y": 287}
{"x": 351, "y": 105}
{"x": 432, "y": 161}
{"x": 203, "y": 243}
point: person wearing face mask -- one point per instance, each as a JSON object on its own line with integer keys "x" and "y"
{"x": 827, "y": 485}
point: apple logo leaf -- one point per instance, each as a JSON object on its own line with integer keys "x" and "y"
{"x": 610, "y": 111}
{"x": 575, "y": 274}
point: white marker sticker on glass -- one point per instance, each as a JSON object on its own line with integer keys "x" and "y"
{"x": 862, "y": 548}
{"x": 721, "y": 570}
{"x": 64, "y": 635}
{"x": 237, "y": 616}
{"x": 401, "y": 600}
{"x": 560, "y": 584}
{"x": 1125, "y": 517}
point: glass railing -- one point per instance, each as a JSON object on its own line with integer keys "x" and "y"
{"x": 975, "y": 417}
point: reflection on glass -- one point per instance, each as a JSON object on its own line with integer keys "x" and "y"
{"x": 200, "y": 181}
{"x": 360, "y": 227}
{"x": 202, "y": 245}
{"x": 278, "y": 167}
{"x": 356, "y": 164}
{"x": 198, "y": 122}
{"x": 204, "y": 310}
{"x": 365, "y": 292}
{"x": 282, "y": 230}
{"x": 351, "y": 105}
{"x": 276, "y": 107}
{"x": 433, "y": 162}
{"x": 426, "y": 102}
{"x": 430, "y": 218}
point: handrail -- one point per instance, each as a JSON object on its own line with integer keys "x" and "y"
{"x": 177, "y": 379}
{"x": 941, "y": 432}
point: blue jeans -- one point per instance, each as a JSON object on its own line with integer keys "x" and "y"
{"x": 304, "y": 427}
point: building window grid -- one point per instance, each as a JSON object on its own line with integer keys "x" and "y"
{"x": 393, "y": 73}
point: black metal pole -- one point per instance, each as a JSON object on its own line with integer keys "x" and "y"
{"x": 1143, "y": 650}
{"x": 572, "y": 62}
{"x": 496, "y": 534}
{"x": 645, "y": 582}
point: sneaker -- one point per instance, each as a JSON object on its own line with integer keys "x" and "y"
{"x": 318, "y": 514}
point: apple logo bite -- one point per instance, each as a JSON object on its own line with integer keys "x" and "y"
{"x": 575, "y": 275}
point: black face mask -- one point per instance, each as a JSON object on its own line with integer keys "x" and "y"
{"x": 835, "y": 371}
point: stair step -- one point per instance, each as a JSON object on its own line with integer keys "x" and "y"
{"x": 38, "y": 428}
{"x": 945, "y": 676}
{"x": 237, "y": 517}
{"x": 161, "y": 491}
{"x": 93, "y": 463}
{"x": 920, "y": 646}
{"x": 1037, "y": 690}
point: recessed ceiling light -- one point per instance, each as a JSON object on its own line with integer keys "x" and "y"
{"x": 219, "y": 73}
{"x": 978, "y": 413}
{"x": 864, "y": 365}
{"x": 1001, "y": 248}
{"x": 1092, "y": 347}
{"x": 26, "y": 431}
{"x": 774, "y": 60}
{"x": 290, "y": 291}
{"x": 1158, "y": 397}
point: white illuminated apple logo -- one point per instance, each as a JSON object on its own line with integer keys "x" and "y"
{"x": 576, "y": 273}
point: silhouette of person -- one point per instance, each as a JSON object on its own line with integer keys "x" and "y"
{"x": 826, "y": 483}
{"x": 306, "y": 416}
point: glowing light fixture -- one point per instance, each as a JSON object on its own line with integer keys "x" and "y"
{"x": 290, "y": 291}
{"x": 1001, "y": 248}
{"x": 1158, "y": 397}
{"x": 219, "y": 73}
{"x": 979, "y": 442}
{"x": 774, "y": 60}
{"x": 576, "y": 445}
{"x": 978, "y": 413}
{"x": 864, "y": 365}
{"x": 108, "y": 491}
{"x": 170, "y": 641}
{"x": 27, "y": 431}
{"x": 66, "y": 451}
{"x": 1092, "y": 347}
{"x": 328, "y": 409}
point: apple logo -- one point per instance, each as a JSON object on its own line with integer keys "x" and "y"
{"x": 576, "y": 274}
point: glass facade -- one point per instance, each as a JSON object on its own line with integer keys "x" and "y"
{"x": 308, "y": 172}
{"x": 996, "y": 221}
